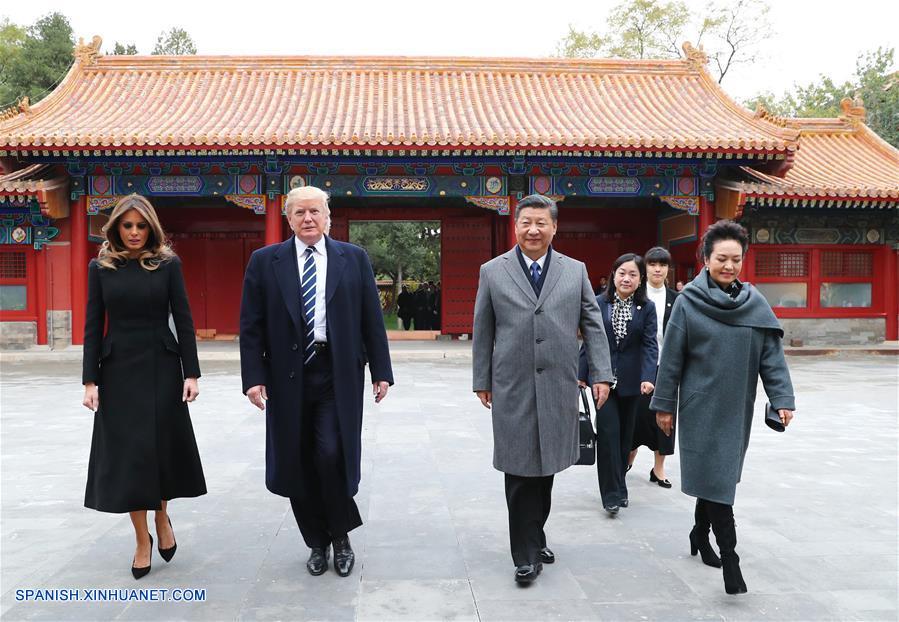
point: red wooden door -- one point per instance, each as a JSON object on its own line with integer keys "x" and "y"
{"x": 192, "y": 252}
{"x": 224, "y": 280}
{"x": 466, "y": 243}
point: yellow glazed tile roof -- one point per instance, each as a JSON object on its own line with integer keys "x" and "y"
{"x": 837, "y": 158}
{"x": 218, "y": 102}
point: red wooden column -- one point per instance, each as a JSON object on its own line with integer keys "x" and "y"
{"x": 512, "y": 240}
{"x": 272, "y": 220}
{"x": 78, "y": 263}
{"x": 891, "y": 283}
{"x": 706, "y": 220}
{"x": 40, "y": 261}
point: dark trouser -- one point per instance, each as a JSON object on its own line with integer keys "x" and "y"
{"x": 326, "y": 511}
{"x": 529, "y": 500}
{"x": 614, "y": 431}
{"x": 721, "y": 518}
{"x": 407, "y": 322}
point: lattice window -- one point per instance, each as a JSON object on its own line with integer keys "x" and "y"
{"x": 12, "y": 265}
{"x": 847, "y": 264}
{"x": 782, "y": 264}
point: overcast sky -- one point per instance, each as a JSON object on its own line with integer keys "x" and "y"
{"x": 809, "y": 37}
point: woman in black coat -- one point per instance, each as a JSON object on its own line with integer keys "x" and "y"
{"x": 630, "y": 323}
{"x": 138, "y": 379}
{"x": 647, "y": 431}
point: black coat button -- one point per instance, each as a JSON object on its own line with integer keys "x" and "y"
{"x": 539, "y": 370}
{"x": 291, "y": 375}
{"x": 294, "y": 347}
{"x": 540, "y": 339}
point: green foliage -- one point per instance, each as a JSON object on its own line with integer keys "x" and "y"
{"x": 874, "y": 81}
{"x": 35, "y": 63}
{"x": 175, "y": 42}
{"x": 400, "y": 250}
{"x": 12, "y": 38}
{"x": 124, "y": 49}
{"x": 654, "y": 29}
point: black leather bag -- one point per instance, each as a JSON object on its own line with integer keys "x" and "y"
{"x": 587, "y": 437}
{"x": 772, "y": 419}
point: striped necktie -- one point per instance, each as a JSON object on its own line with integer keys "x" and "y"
{"x": 307, "y": 295}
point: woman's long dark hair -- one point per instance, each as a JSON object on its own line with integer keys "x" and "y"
{"x": 640, "y": 294}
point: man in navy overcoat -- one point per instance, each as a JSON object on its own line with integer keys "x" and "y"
{"x": 310, "y": 318}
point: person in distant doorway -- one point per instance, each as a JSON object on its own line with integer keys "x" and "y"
{"x": 530, "y": 303}
{"x": 601, "y": 287}
{"x": 138, "y": 379}
{"x": 647, "y": 431}
{"x": 630, "y": 327}
{"x": 405, "y": 307}
{"x": 436, "y": 318}
{"x": 310, "y": 316}
{"x": 722, "y": 335}
{"x": 679, "y": 287}
{"x": 422, "y": 299}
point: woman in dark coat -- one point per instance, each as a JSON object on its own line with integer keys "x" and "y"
{"x": 138, "y": 379}
{"x": 721, "y": 337}
{"x": 405, "y": 307}
{"x": 646, "y": 431}
{"x": 630, "y": 323}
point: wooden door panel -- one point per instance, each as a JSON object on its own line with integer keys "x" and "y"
{"x": 466, "y": 243}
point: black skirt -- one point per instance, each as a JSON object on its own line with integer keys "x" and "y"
{"x": 648, "y": 433}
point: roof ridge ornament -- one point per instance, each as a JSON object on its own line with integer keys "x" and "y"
{"x": 761, "y": 112}
{"x": 87, "y": 54}
{"x": 696, "y": 57}
{"x": 23, "y": 106}
{"x": 853, "y": 110}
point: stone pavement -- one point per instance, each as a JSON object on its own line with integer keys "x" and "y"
{"x": 816, "y": 514}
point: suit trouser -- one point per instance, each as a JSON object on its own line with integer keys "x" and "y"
{"x": 326, "y": 510}
{"x": 615, "y": 423}
{"x": 529, "y": 500}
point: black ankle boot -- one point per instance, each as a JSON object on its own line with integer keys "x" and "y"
{"x": 699, "y": 536}
{"x": 733, "y": 577}
{"x": 699, "y": 543}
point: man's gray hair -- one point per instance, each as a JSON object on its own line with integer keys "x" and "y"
{"x": 538, "y": 201}
{"x": 303, "y": 193}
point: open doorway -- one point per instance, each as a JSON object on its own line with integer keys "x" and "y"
{"x": 405, "y": 256}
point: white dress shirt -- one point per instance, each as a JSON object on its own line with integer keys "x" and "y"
{"x": 320, "y": 255}
{"x": 658, "y": 296}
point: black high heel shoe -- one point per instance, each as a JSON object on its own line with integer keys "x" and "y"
{"x": 664, "y": 483}
{"x": 138, "y": 573}
{"x": 700, "y": 544}
{"x": 169, "y": 553}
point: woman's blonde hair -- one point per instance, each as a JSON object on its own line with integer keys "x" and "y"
{"x": 113, "y": 252}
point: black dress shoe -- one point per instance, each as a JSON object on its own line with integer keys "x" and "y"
{"x": 344, "y": 558}
{"x": 526, "y": 574}
{"x": 169, "y": 553}
{"x": 318, "y": 560}
{"x": 664, "y": 483}
{"x": 623, "y": 503}
{"x": 138, "y": 573}
{"x": 611, "y": 509}
{"x": 547, "y": 556}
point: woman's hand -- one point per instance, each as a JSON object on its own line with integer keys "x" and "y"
{"x": 91, "y": 397}
{"x": 665, "y": 421}
{"x": 646, "y": 388}
{"x": 191, "y": 390}
{"x": 786, "y": 416}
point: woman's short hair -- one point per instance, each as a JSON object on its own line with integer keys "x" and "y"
{"x": 640, "y": 294}
{"x": 113, "y": 252}
{"x": 723, "y": 230}
{"x": 657, "y": 254}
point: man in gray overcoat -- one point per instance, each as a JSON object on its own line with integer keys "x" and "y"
{"x": 530, "y": 303}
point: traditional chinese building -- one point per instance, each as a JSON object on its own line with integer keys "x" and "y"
{"x": 638, "y": 153}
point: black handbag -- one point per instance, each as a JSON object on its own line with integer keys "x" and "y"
{"x": 587, "y": 437}
{"x": 772, "y": 419}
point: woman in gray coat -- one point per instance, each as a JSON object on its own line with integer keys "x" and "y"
{"x": 721, "y": 337}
